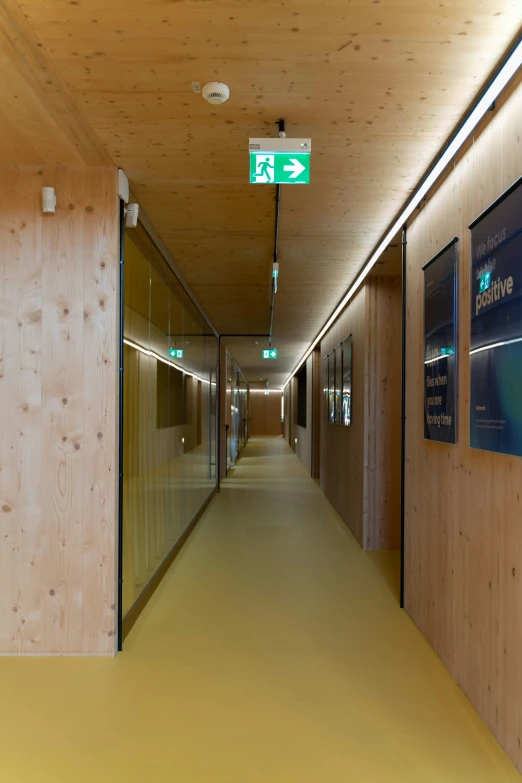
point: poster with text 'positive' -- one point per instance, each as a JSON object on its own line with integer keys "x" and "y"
{"x": 496, "y": 326}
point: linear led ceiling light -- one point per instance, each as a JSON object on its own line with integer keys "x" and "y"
{"x": 495, "y": 87}
{"x": 155, "y": 355}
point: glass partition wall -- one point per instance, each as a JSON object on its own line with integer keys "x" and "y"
{"x": 169, "y": 413}
{"x": 236, "y": 422}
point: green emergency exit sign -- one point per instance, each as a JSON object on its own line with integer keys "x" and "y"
{"x": 269, "y": 353}
{"x": 176, "y": 353}
{"x": 485, "y": 282}
{"x": 279, "y": 168}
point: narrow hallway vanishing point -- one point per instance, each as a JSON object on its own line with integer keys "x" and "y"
{"x": 273, "y": 650}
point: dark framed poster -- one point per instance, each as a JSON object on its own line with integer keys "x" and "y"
{"x": 338, "y": 384}
{"x": 325, "y": 387}
{"x": 440, "y": 345}
{"x": 331, "y": 387}
{"x": 496, "y": 326}
{"x": 346, "y": 410}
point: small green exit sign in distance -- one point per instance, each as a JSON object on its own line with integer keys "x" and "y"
{"x": 485, "y": 282}
{"x": 176, "y": 353}
{"x": 269, "y": 353}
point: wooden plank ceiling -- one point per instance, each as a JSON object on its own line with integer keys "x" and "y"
{"x": 377, "y": 85}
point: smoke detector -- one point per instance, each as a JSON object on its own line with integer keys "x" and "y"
{"x": 215, "y": 92}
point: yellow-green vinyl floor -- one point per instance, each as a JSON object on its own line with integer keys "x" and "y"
{"x": 273, "y": 651}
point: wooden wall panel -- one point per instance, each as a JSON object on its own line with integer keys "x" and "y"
{"x": 360, "y": 464}
{"x": 317, "y": 393}
{"x": 265, "y": 414}
{"x": 304, "y": 434}
{"x": 58, "y": 418}
{"x": 382, "y": 522}
{"x": 288, "y": 412}
{"x": 342, "y": 448}
{"x": 463, "y": 541}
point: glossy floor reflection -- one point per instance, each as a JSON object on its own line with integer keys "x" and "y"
{"x": 274, "y": 650}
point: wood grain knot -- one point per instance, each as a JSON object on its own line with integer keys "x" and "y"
{"x": 66, "y": 311}
{"x": 64, "y": 400}
{"x": 99, "y": 435}
{"x": 64, "y": 439}
{"x": 7, "y": 508}
{"x": 52, "y": 592}
{"x": 15, "y": 609}
{"x": 89, "y": 209}
{"x": 71, "y": 206}
{"x": 513, "y": 571}
{"x": 36, "y": 317}
{"x": 76, "y": 446}
{"x": 24, "y": 407}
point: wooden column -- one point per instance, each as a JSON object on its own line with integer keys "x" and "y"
{"x": 59, "y": 300}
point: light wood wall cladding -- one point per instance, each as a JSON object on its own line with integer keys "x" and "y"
{"x": 378, "y": 86}
{"x": 58, "y": 414}
{"x": 360, "y": 464}
{"x": 40, "y": 121}
{"x": 265, "y": 414}
{"x": 463, "y": 542}
{"x": 304, "y": 434}
{"x": 287, "y": 430}
{"x": 343, "y": 448}
{"x": 382, "y": 396}
{"x": 317, "y": 393}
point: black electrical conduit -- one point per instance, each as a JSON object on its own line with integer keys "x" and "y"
{"x": 281, "y": 124}
{"x": 274, "y": 279}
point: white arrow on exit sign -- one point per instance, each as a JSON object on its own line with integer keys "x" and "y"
{"x": 296, "y": 168}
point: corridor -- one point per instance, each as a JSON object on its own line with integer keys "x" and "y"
{"x": 273, "y": 650}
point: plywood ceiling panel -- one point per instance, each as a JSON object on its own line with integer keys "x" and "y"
{"x": 377, "y": 85}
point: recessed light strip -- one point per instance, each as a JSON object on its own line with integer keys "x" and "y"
{"x": 504, "y": 75}
{"x": 155, "y": 355}
{"x": 263, "y": 391}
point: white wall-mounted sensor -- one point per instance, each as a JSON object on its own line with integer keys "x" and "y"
{"x": 131, "y": 215}
{"x": 48, "y": 200}
{"x": 123, "y": 186}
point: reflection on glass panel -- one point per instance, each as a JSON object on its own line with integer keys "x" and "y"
{"x": 346, "y": 418}
{"x": 169, "y": 413}
{"x": 243, "y": 400}
{"x": 331, "y": 388}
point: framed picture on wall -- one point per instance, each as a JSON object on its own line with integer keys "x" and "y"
{"x": 325, "y": 389}
{"x": 496, "y": 325}
{"x": 331, "y": 387}
{"x": 338, "y": 384}
{"x": 346, "y": 392}
{"x": 440, "y": 345}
